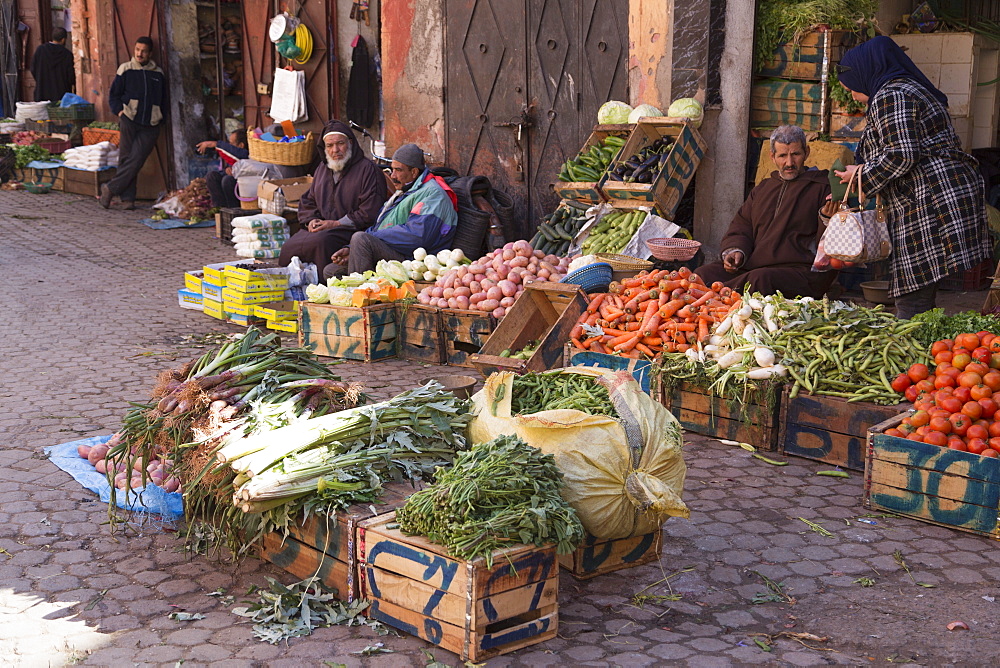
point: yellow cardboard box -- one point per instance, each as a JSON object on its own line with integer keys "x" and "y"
{"x": 237, "y": 297}
{"x": 192, "y": 281}
{"x": 213, "y": 308}
{"x": 276, "y": 310}
{"x": 284, "y": 325}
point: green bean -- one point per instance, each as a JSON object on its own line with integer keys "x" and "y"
{"x": 769, "y": 461}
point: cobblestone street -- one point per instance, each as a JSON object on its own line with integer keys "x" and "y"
{"x": 90, "y": 316}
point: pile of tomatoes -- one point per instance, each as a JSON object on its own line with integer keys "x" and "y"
{"x": 957, "y": 401}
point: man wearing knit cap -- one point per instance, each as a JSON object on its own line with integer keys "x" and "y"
{"x": 346, "y": 194}
{"x": 422, "y": 213}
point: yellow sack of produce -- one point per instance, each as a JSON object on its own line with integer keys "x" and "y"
{"x": 623, "y": 478}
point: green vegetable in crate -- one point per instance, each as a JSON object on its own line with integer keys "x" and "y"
{"x": 497, "y": 494}
{"x": 552, "y": 390}
{"x": 558, "y": 229}
{"x": 592, "y": 162}
{"x": 613, "y": 232}
{"x": 522, "y": 354}
{"x": 645, "y": 165}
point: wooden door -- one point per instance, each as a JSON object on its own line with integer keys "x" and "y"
{"x": 523, "y": 90}
{"x": 486, "y": 92}
{"x": 258, "y": 61}
{"x": 132, "y": 20}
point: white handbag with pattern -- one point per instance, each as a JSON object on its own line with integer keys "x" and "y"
{"x": 858, "y": 235}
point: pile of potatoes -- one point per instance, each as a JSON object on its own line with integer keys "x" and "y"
{"x": 158, "y": 471}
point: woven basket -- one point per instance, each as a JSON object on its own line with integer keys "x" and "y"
{"x": 667, "y": 248}
{"x": 592, "y": 278}
{"x": 290, "y": 154}
{"x": 624, "y": 262}
{"x": 93, "y": 136}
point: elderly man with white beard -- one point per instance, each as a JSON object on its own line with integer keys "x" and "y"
{"x": 346, "y": 195}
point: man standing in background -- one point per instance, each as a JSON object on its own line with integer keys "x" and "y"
{"x": 139, "y": 97}
{"x": 52, "y": 68}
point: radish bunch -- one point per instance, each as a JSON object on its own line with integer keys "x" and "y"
{"x": 158, "y": 470}
{"x": 494, "y": 281}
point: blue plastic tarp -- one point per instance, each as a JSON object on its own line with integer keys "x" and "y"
{"x": 171, "y": 223}
{"x": 149, "y": 499}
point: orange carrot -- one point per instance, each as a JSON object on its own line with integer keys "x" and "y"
{"x": 628, "y": 345}
{"x": 577, "y": 343}
{"x": 587, "y": 342}
{"x": 595, "y": 303}
{"x": 702, "y": 299}
{"x": 670, "y": 308}
{"x": 702, "y": 329}
{"x": 621, "y": 339}
{"x": 644, "y": 349}
{"x": 597, "y": 347}
{"x": 652, "y": 341}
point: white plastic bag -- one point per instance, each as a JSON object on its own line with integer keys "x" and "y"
{"x": 288, "y": 100}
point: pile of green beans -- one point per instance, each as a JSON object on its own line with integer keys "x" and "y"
{"x": 495, "y": 495}
{"x": 551, "y": 390}
{"x": 849, "y": 352}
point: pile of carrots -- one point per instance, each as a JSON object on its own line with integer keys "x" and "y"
{"x": 651, "y": 313}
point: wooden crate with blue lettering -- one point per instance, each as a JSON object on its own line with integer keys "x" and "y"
{"x": 669, "y": 185}
{"x": 950, "y": 488}
{"x": 810, "y": 57}
{"x": 780, "y": 102}
{"x": 754, "y": 420}
{"x": 365, "y": 333}
{"x": 324, "y": 546}
{"x": 597, "y": 557}
{"x": 829, "y": 429}
{"x": 420, "y": 337}
{"x": 464, "y": 333}
{"x": 462, "y": 606}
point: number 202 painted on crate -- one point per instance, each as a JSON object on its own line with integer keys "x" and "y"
{"x": 532, "y": 566}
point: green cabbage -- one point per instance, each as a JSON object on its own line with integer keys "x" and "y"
{"x": 687, "y": 107}
{"x": 613, "y": 113}
{"x": 643, "y": 110}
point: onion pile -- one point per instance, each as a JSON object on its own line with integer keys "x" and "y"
{"x": 494, "y": 281}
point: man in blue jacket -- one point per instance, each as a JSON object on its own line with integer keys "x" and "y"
{"x": 422, "y": 213}
{"x": 139, "y": 97}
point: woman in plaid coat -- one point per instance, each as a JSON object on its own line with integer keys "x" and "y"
{"x": 910, "y": 154}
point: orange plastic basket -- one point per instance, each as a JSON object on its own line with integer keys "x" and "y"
{"x": 97, "y": 135}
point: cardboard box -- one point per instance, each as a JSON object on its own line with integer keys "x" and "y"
{"x": 192, "y": 281}
{"x": 244, "y": 310}
{"x": 545, "y": 312}
{"x": 273, "y": 196}
{"x": 290, "y": 326}
{"x": 462, "y": 606}
{"x": 190, "y": 300}
{"x": 284, "y": 310}
{"x": 261, "y": 283}
{"x": 211, "y": 291}
{"x": 214, "y": 273}
{"x": 213, "y": 308}
{"x": 237, "y": 297}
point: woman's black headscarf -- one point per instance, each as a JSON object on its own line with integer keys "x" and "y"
{"x": 870, "y": 65}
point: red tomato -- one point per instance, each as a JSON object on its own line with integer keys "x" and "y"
{"x": 994, "y": 429}
{"x": 981, "y": 355}
{"x": 917, "y": 372}
{"x": 989, "y": 407}
{"x": 976, "y": 445}
{"x": 977, "y": 431}
{"x": 944, "y": 380}
{"x": 958, "y": 445}
{"x": 992, "y": 380}
{"x": 967, "y": 340}
{"x": 951, "y": 404}
{"x": 960, "y": 360}
{"x": 986, "y": 338}
{"x": 953, "y": 371}
{"x": 935, "y": 438}
{"x": 994, "y": 443}
{"x": 995, "y": 357}
{"x": 901, "y": 382}
{"x": 969, "y": 379}
{"x": 995, "y": 345}
{"x": 836, "y": 263}
{"x": 977, "y": 367}
{"x": 959, "y": 423}
{"x": 972, "y": 409}
{"x": 915, "y": 437}
{"x": 936, "y": 411}
{"x": 980, "y": 392}
{"x": 944, "y": 357}
{"x": 911, "y": 393}
{"x": 941, "y": 424}
{"x": 963, "y": 394}
{"x": 940, "y": 346}
{"x": 989, "y": 452}
{"x": 892, "y": 431}
{"x": 920, "y": 418}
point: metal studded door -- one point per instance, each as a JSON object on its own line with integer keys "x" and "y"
{"x": 486, "y": 92}
{"x": 524, "y": 80}
{"x": 577, "y": 61}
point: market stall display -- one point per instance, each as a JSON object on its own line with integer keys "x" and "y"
{"x": 579, "y": 179}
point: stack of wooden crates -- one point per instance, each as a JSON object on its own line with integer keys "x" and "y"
{"x": 793, "y": 87}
